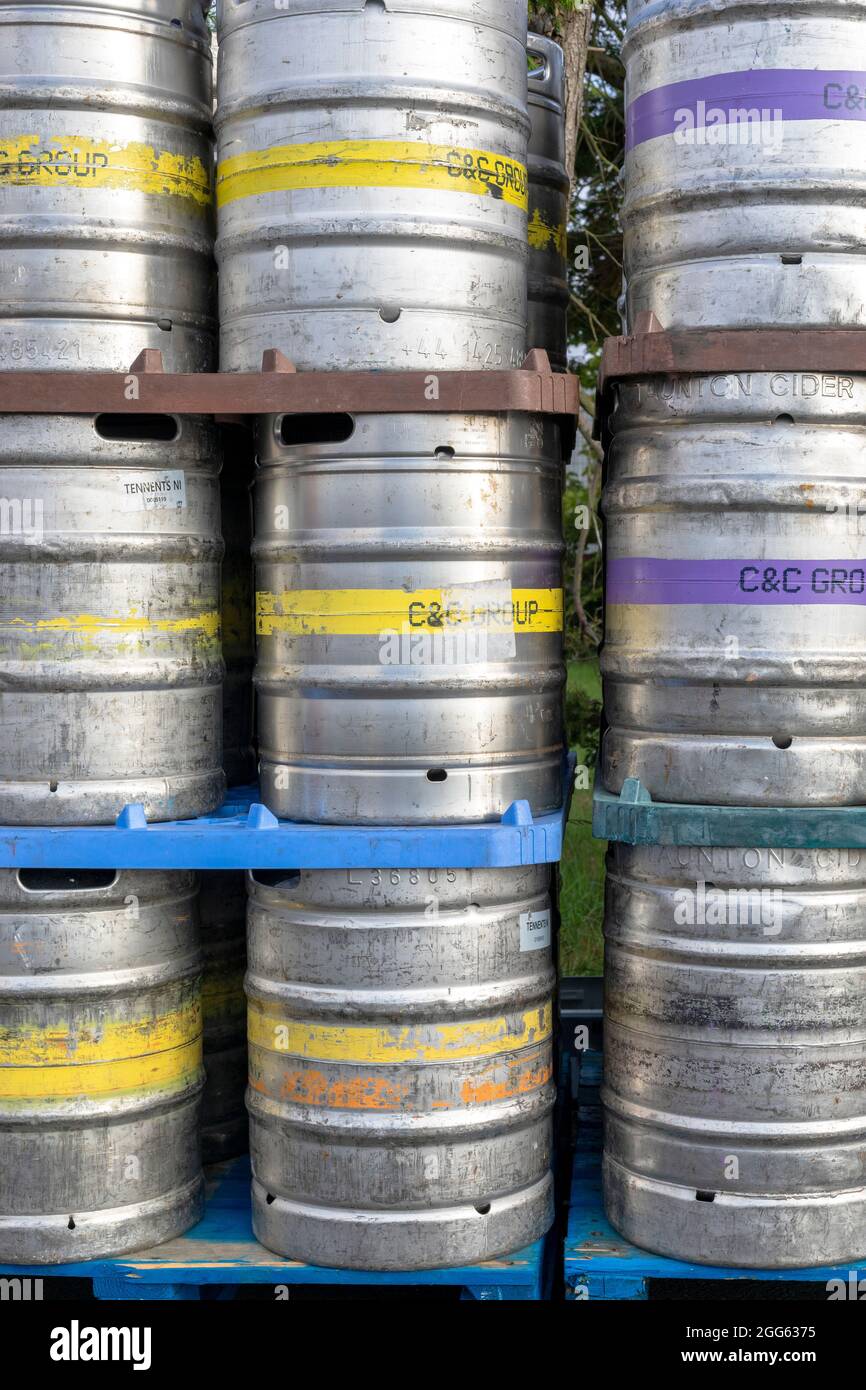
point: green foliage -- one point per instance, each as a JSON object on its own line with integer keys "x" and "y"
{"x": 597, "y": 185}
{"x": 575, "y": 499}
{"x": 551, "y": 7}
{"x": 583, "y": 710}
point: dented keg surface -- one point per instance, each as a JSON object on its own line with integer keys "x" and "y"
{"x": 401, "y": 1082}
{"x": 110, "y": 666}
{"x": 409, "y": 617}
{"x": 100, "y": 1062}
{"x": 238, "y": 628}
{"x": 223, "y": 911}
{"x": 372, "y": 184}
{"x": 735, "y": 1053}
{"x": 106, "y": 233}
{"x": 735, "y": 647}
{"x": 548, "y": 202}
{"x": 744, "y": 200}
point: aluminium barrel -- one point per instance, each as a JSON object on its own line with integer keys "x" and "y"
{"x": 401, "y": 1068}
{"x": 548, "y": 203}
{"x": 110, "y": 664}
{"x": 223, "y": 912}
{"x": 100, "y": 1062}
{"x": 106, "y": 185}
{"x": 744, "y": 150}
{"x": 734, "y": 660}
{"x": 409, "y": 617}
{"x": 371, "y": 184}
{"x": 110, "y": 668}
{"x": 735, "y": 1053}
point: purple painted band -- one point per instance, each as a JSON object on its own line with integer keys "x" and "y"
{"x": 799, "y": 94}
{"x": 641, "y": 579}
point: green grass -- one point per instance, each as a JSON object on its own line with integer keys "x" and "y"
{"x": 582, "y": 869}
{"x": 584, "y": 678}
{"x": 581, "y": 897}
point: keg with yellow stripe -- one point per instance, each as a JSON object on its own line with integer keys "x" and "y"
{"x": 372, "y": 183}
{"x": 223, "y": 911}
{"x": 400, "y": 1044}
{"x": 110, "y": 665}
{"x": 409, "y": 617}
{"x": 110, "y": 662}
{"x": 106, "y": 198}
{"x": 100, "y": 1062}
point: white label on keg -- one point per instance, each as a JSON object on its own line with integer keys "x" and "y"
{"x": 479, "y": 617}
{"x": 154, "y": 492}
{"x": 535, "y": 930}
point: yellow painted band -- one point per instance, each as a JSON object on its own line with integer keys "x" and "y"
{"x": 171, "y": 1070}
{"x": 91, "y": 624}
{"x": 372, "y": 612}
{"x": 443, "y": 1042}
{"x": 372, "y": 164}
{"x": 543, "y": 234}
{"x": 73, "y": 1042}
{"x": 80, "y": 163}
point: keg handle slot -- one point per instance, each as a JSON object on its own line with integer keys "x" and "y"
{"x": 437, "y": 774}
{"x": 157, "y": 429}
{"x": 276, "y": 878}
{"x": 314, "y": 428}
{"x": 66, "y": 880}
{"x": 705, "y": 1196}
{"x": 548, "y": 78}
{"x": 537, "y": 75}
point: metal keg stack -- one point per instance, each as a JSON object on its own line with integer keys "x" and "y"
{"x": 100, "y": 1062}
{"x": 110, "y": 663}
{"x": 372, "y": 215}
{"x": 735, "y": 1027}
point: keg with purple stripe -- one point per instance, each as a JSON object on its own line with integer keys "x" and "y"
{"x": 735, "y": 646}
{"x": 746, "y": 144}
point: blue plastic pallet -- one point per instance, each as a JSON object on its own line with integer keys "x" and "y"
{"x": 601, "y": 1264}
{"x": 633, "y": 818}
{"x": 243, "y": 834}
{"x": 221, "y": 1250}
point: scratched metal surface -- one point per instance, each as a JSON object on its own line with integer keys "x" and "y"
{"x": 221, "y": 1249}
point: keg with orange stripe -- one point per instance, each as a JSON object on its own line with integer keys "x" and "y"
{"x": 401, "y": 1087}
{"x": 100, "y": 1062}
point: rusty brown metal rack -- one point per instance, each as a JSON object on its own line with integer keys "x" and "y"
{"x": 652, "y": 351}
{"x": 279, "y": 388}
